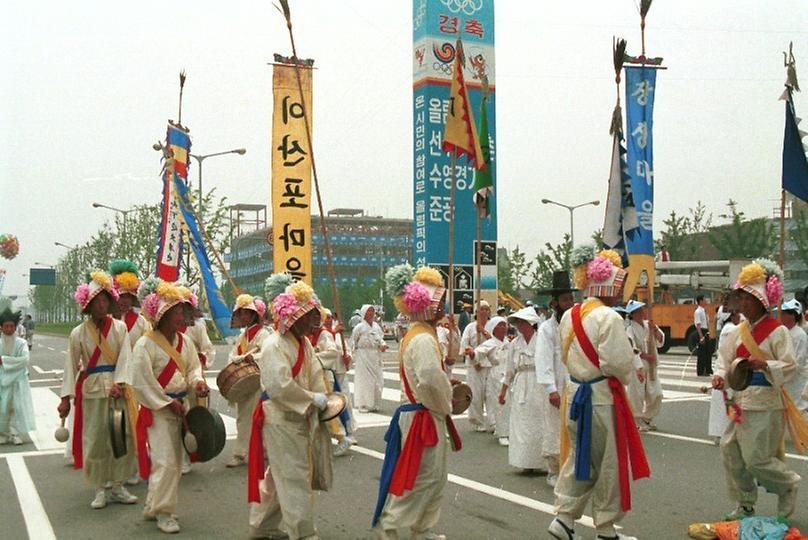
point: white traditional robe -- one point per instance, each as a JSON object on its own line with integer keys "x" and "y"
{"x": 795, "y": 387}
{"x": 140, "y": 327}
{"x": 245, "y": 408}
{"x": 492, "y": 354}
{"x": 165, "y": 433}
{"x": 198, "y": 333}
{"x": 293, "y": 440}
{"x": 551, "y": 375}
{"x": 449, "y": 341}
{"x": 100, "y": 466}
{"x": 644, "y": 397}
{"x": 750, "y": 449}
{"x": 366, "y": 344}
{"x": 527, "y": 410}
{"x": 478, "y": 380}
{"x": 419, "y": 509}
{"x": 16, "y": 405}
{"x": 606, "y": 331}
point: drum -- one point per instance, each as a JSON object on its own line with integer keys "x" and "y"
{"x": 239, "y": 380}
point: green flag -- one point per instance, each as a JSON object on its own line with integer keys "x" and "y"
{"x": 483, "y": 181}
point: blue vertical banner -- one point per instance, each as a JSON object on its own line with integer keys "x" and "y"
{"x": 640, "y": 92}
{"x": 437, "y": 24}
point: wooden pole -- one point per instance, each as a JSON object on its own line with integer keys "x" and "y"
{"x": 478, "y": 261}
{"x": 782, "y": 228}
{"x": 327, "y": 244}
{"x": 452, "y": 166}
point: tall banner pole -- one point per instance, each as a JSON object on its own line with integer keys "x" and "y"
{"x": 450, "y": 252}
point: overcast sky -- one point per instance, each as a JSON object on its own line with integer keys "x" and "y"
{"x": 87, "y": 88}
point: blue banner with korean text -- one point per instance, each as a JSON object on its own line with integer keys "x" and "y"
{"x": 437, "y": 24}
{"x": 640, "y": 91}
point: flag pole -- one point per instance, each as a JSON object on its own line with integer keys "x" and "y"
{"x": 327, "y": 244}
{"x": 452, "y": 166}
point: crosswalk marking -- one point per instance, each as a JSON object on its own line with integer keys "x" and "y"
{"x": 36, "y": 519}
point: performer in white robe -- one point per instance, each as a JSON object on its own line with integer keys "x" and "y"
{"x": 16, "y": 405}
{"x": 495, "y": 351}
{"x": 165, "y": 367}
{"x": 598, "y": 423}
{"x": 527, "y": 399}
{"x": 645, "y": 391}
{"x": 449, "y": 341}
{"x": 551, "y": 374}
{"x": 367, "y": 346}
{"x": 719, "y": 417}
{"x": 197, "y": 331}
{"x": 410, "y": 496}
{"x": 751, "y": 449}
{"x": 94, "y": 374}
{"x": 792, "y": 319}
{"x": 286, "y": 423}
{"x": 248, "y": 313}
{"x": 482, "y": 412}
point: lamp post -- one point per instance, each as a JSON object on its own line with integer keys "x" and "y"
{"x": 44, "y": 264}
{"x": 65, "y": 245}
{"x": 571, "y": 209}
{"x": 202, "y": 157}
{"x": 124, "y": 213}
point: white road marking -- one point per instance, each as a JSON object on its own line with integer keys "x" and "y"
{"x": 36, "y": 519}
{"x": 51, "y": 349}
{"x": 48, "y": 372}
{"x": 485, "y": 489}
{"x": 708, "y": 442}
{"x": 46, "y": 418}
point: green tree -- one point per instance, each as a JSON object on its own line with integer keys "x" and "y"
{"x": 520, "y": 268}
{"x": 799, "y": 235}
{"x": 742, "y": 238}
{"x": 504, "y": 277}
{"x": 680, "y": 236}
{"x": 548, "y": 260}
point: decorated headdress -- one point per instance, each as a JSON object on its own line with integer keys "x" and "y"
{"x": 597, "y": 273}
{"x": 99, "y": 281}
{"x": 289, "y": 300}
{"x": 416, "y": 293}
{"x": 763, "y": 279}
{"x": 6, "y": 315}
{"x": 125, "y": 277}
{"x": 158, "y": 296}
{"x": 249, "y": 302}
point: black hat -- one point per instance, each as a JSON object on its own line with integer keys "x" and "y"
{"x": 561, "y": 284}
{"x": 7, "y": 315}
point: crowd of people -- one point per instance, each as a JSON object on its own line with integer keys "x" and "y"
{"x": 568, "y": 393}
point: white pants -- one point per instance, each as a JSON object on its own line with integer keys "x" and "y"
{"x": 551, "y": 438}
{"x": 100, "y": 466}
{"x": 484, "y": 397}
{"x": 244, "y": 414}
{"x": 645, "y": 397}
{"x": 165, "y": 449}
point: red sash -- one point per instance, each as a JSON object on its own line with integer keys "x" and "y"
{"x": 130, "y": 318}
{"x": 627, "y": 437}
{"x": 145, "y": 416}
{"x": 314, "y": 337}
{"x": 255, "y": 462}
{"x": 760, "y": 332}
{"x": 78, "y": 422}
{"x": 249, "y": 335}
{"x": 422, "y": 434}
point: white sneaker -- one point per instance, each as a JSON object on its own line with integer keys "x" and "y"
{"x": 120, "y": 494}
{"x": 787, "y": 502}
{"x": 186, "y": 467}
{"x": 100, "y": 500}
{"x": 235, "y": 461}
{"x": 480, "y": 429}
{"x": 427, "y": 535}
{"x": 16, "y": 440}
{"x": 551, "y": 480}
{"x": 342, "y": 447}
{"x": 504, "y": 441}
{"x": 351, "y": 440}
{"x": 133, "y": 480}
{"x": 617, "y": 536}
{"x": 559, "y": 531}
{"x": 167, "y": 524}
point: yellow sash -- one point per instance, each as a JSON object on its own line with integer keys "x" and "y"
{"x": 586, "y": 309}
{"x": 417, "y": 329}
{"x": 797, "y": 426}
{"x": 160, "y": 340}
{"x": 101, "y": 342}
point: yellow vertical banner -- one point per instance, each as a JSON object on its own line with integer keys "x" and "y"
{"x": 291, "y": 173}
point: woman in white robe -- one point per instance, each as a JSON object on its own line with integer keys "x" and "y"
{"x": 16, "y": 405}
{"x": 494, "y": 352}
{"x": 367, "y": 344}
{"x": 525, "y": 437}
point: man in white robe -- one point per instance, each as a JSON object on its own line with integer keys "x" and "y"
{"x": 248, "y": 313}
{"x": 16, "y": 405}
{"x": 527, "y": 399}
{"x": 495, "y": 351}
{"x": 551, "y": 374}
{"x": 792, "y": 319}
{"x": 449, "y": 340}
{"x": 645, "y": 391}
{"x": 94, "y": 375}
{"x": 287, "y": 425}
{"x": 341, "y": 366}
{"x": 751, "y": 449}
{"x": 367, "y": 346}
{"x": 165, "y": 367}
{"x": 481, "y": 413}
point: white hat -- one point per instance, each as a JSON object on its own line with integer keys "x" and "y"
{"x": 527, "y": 314}
{"x": 792, "y": 305}
{"x": 493, "y": 323}
{"x": 634, "y": 305}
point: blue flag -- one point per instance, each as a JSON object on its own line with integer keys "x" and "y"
{"x": 795, "y": 164}
{"x": 218, "y": 308}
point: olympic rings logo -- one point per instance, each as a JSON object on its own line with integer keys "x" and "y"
{"x": 469, "y": 7}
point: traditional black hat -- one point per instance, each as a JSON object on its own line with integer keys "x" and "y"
{"x": 561, "y": 284}
{"x": 7, "y": 315}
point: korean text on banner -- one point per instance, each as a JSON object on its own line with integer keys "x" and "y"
{"x": 169, "y": 241}
{"x": 291, "y": 173}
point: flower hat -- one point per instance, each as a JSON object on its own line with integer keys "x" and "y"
{"x": 289, "y": 300}
{"x": 417, "y": 294}
{"x": 763, "y": 279}
{"x": 249, "y": 302}
{"x": 597, "y": 273}
{"x": 125, "y": 278}
{"x": 158, "y": 296}
{"x": 98, "y": 282}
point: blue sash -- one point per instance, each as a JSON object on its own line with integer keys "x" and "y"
{"x": 759, "y": 379}
{"x": 264, "y": 395}
{"x": 101, "y": 369}
{"x": 177, "y": 395}
{"x": 391, "y": 453}
{"x": 344, "y": 416}
{"x": 581, "y": 411}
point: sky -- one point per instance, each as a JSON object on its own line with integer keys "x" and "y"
{"x": 86, "y": 89}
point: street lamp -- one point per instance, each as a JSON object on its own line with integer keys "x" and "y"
{"x": 124, "y": 213}
{"x": 44, "y": 264}
{"x": 64, "y": 245}
{"x": 202, "y": 157}
{"x": 571, "y": 209}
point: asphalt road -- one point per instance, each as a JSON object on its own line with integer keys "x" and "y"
{"x": 485, "y": 497}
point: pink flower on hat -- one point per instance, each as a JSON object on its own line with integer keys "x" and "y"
{"x": 151, "y": 305}
{"x": 599, "y": 269}
{"x": 260, "y": 306}
{"x": 193, "y": 300}
{"x": 416, "y": 297}
{"x": 285, "y": 305}
{"x": 82, "y": 294}
{"x": 774, "y": 290}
